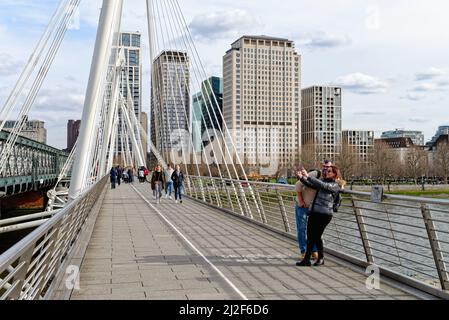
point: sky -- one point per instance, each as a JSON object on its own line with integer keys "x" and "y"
{"x": 390, "y": 57}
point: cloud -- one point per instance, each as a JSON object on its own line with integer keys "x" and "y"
{"x": 414, "y": 96}
{"x": 59, "y": 100}
{"x": 419, "y": 120}
{"x": 222, "y": 24}
{"x": 9, "y": 65}
{"x": 430, "y": 74}
{"x": 360, "y": 83}
{"x": 322, "y": 40}
{"x": 369, "y": 113}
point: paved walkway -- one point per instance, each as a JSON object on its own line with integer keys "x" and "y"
{"x": 190, "y": 252}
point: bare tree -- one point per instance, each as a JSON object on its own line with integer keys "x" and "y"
{"x": 348, "y": 161}
{"x": 384, "y": 161}
{"x": 309, "y": 156}
{"x": 416, "y": 163}
{"x": 441, "y": 161}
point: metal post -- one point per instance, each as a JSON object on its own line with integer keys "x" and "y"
{"x": 436, "y": 247}
{"x": 262, "y": 210}
{"x": 363, "y": 233}
{"x": 99, "y": 63}
{"x": 283, "y": 212}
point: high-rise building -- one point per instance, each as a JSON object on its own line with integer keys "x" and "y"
{"x": 442, "y": 130}
{"x": 261, "y": 99}
{"x": 197, "y": 120}
{"x": 322, "y": 122}
{"x": 144, "y": 134}
{"x": 360, "y": 142}
{"x": 170, "y": 101}
{"x": 34, "y": 130}
{"x": 416, "y": 136}
{"x": 131, "y": 77}
{"x": 73, "y": 130}
{"x": 207, "y": 109}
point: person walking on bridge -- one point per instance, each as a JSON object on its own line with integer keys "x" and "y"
{"x": 158, "y": 183}
{"x": 178, "y": 183}
{"x": 113, "y": 174}
{"x": 321, "y": 210}
{"x": 169, "y": 186}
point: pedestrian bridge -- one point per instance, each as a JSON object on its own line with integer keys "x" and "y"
{"x": 125, "y": 246}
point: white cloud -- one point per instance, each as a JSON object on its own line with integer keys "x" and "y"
{"x": 430, "y": 74}
{"x": 414, "y": 96}
{"x": 362, "y": 84}
{"x": 9, "y": 65}
{"x": 223, "y": 24}
{"x": 322, "y": 40}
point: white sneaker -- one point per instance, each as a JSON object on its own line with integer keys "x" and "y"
{"x": 176, "y": 201}
{"x": 171, "y": 198}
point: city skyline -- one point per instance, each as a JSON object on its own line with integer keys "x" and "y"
{"x": 388, "y": 83}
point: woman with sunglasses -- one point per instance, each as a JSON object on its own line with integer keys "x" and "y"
{"x": 321, "y": 210}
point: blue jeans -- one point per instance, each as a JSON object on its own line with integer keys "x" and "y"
{"x": 169, "y": 188}
{"x": 302, "y": 217}
{"x": 178, "y": 193}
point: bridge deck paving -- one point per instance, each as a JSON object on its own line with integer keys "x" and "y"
{"x": 135, "y": 254}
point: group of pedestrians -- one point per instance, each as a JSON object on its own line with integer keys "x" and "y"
{"x": 169, "y": 180}
{"x": 119, "y": 174}
{"x": 318, "y": 198}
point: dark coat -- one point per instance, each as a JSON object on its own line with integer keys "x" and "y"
{"x": 178, "y": 181}
{"x": 326, "y": 197}
{"x": 158, "y": 177}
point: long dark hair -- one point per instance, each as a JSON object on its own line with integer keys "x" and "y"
{"x": 336, "y": 170}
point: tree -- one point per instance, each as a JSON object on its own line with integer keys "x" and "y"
{"x": 348, "y": 161}
{"x": 441, "y": 161}
{"x": 416, "y": 163}
{"x": 384, "y": 161}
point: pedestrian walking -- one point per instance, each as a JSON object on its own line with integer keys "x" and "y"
{"x": 158, "y": 183}
{"x": 119, "y": 175}
{"x": 178, "y": 183}
{"x": 321, "y": 210}
{"x": 169, "y": 185}
{"x": 113, "y": 174}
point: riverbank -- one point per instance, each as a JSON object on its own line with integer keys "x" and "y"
{"x": 430, "y": 191}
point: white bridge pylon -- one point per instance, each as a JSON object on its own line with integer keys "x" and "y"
{"x": 169, "y": 38}
{"x": 176, "y": 72}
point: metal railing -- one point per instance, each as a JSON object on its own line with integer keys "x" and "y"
{"x": 406, "y": 237}
{"x": 28, "y": 268}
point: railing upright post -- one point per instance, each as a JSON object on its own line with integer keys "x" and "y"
{"x": 263, "y": 217}
{"x": 283, "y": 212}
{"x": 363, "y": 232}
{"x": 20, "y": 276}
{"x": 231, "y": 204}
{"x": 436, "y": 247}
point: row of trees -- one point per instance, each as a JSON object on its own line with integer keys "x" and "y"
{"x": 386, "y": 162}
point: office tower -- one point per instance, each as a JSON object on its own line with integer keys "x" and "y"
{"x": 416, "y": 136}
{"x": 360, "y": 142}
{"x": 34, "y": 130}
{"x": 170, "y": 103}
{"x": 73, "y": 130}
{"x": 197, "y": 120}
{"x": 442, "y": 130}
{"x": 207, "y": 109}
{"x": 128, "y": 49}
{"x": 322, "y": 122}
{"x": 261, "y": 100}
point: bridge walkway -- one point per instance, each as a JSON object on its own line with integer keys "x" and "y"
{"x": 141, "y": 250}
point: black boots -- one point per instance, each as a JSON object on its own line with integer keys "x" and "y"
{"x": 319, "y": 262}
{"x": 304, "y": 263}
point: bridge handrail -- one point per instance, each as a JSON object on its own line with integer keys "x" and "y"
{"x": 27, "y": 269}
{"x": 406, "y": 237}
